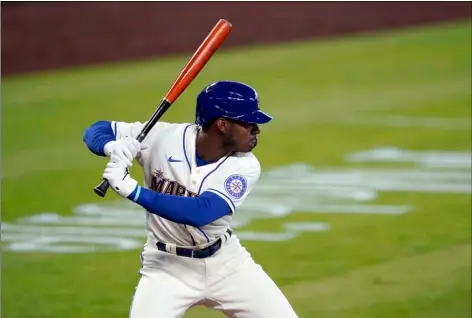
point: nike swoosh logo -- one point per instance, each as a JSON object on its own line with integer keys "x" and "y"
{"x": 174, "y": 160}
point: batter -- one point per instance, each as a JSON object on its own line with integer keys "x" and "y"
{"x": 195, "y": 178}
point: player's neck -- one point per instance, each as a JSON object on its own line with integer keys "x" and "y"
{"x": 209, "y": 147}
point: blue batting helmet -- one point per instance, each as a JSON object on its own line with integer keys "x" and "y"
{"x": 231, "y": 100}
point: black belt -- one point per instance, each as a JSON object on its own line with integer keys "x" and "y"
{"x": 202, "y": 253}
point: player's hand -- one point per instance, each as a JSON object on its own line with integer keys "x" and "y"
{"x": 119, "y": 178}
{"x": 123, "y": 150}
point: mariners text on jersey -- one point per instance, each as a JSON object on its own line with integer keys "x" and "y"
{"x": 167, "y": 186}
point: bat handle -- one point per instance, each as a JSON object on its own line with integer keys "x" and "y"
{"x": 102, "y": 188}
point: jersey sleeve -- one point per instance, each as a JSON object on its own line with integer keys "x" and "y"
{"x": 234, "y": 185}
{"x": 123, "y": 129}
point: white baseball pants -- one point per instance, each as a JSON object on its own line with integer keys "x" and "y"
{"x": 229, "y": 281}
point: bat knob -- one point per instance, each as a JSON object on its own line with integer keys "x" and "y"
{"x": 101, "y": 189}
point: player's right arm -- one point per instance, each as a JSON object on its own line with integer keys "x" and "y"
{"x": 114, "y": 139}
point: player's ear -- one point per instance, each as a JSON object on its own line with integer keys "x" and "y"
{"x": 223, "y": 125}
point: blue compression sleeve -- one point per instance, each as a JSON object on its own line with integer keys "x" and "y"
{"x": 97, "y": 135}
{"x": 194, "y": 211}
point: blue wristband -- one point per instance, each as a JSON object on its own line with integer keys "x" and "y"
{"x": 135, "y": 194}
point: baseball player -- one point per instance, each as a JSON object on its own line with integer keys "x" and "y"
{"x": 195, "y": 178}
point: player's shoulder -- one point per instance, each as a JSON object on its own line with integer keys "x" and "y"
{"x": 245, "y": 161}
{"x": 247, "y": 157}
{"x": 173, "y": 128}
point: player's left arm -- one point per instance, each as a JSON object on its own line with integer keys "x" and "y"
{"x": 193, "y": 211}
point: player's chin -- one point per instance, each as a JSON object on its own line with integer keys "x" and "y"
{"x": 247, "y": 147}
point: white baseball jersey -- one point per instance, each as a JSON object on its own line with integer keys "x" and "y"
{"x": 169, "y": 165}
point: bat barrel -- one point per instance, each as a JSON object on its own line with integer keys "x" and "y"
{"x": 198, "y": 60}
{"x": 204, "y": 52}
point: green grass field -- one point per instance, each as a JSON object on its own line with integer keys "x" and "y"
{"x": 353, "y": 230}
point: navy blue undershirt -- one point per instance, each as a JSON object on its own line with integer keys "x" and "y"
{"x": 194, "y": 211}
{"x": 200, "y": 161}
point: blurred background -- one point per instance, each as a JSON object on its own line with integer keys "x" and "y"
{"x": 363, "y": 208}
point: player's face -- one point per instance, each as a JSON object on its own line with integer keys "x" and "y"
{"x": 242, "y": 136}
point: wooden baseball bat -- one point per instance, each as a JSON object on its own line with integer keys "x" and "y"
{"x": 196, "y": 63}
